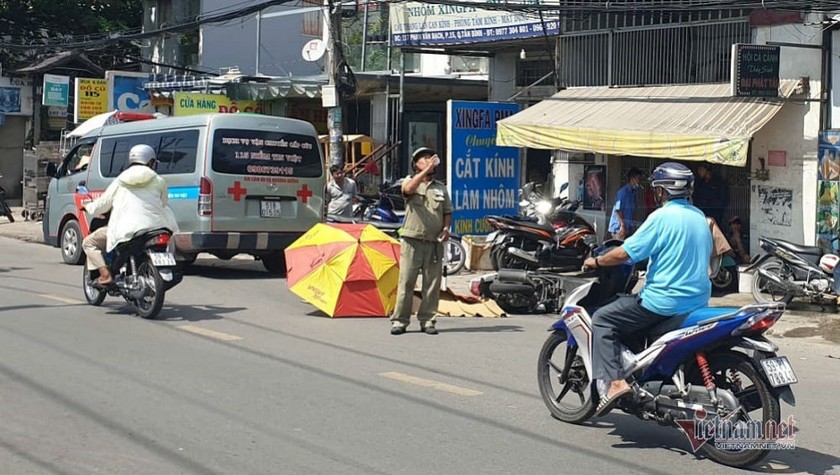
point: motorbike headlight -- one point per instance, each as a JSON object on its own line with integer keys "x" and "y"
{"x": 544, "y": 207}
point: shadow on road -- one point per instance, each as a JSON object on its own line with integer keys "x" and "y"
{"x": 637, "y": 435}
{"x": 487, "y": 329}
{"x": 182, "y": 313}
{"x": 12, "y": 269}
{"x": 227, "y": 272}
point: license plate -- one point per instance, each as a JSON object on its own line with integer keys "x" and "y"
{"x": 779, "y": 371}
{"x": 270, "y": 209}
{"x": 162, "y": 259}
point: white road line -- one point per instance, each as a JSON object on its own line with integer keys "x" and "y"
{"x": 62, "y": 299}
{"x": 209, "y": 333}
{"x": 428, "y": 383}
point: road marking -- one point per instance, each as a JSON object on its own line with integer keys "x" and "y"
{"x": 62, "y": 299}
{"x": 428, "y": 383}
{"x": 209, "y": 333}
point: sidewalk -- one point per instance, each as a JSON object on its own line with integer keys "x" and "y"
{"x": 23, "y": 230}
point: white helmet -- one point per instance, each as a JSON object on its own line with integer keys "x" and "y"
{"x": 141, "y": 155}
{"x": 828, "y": 262}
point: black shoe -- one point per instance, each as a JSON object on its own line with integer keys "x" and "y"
{"x": 395, "y": 330}
{"x": 430, "y": 330}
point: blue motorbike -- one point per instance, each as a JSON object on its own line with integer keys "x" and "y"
{"x": 711, "y": 372}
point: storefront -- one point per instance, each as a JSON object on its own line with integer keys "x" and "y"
{"x": 759, "y": 147}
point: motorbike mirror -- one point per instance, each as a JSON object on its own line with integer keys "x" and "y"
{"x": 564, "y": 186}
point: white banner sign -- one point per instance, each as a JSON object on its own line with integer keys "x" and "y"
{"x": 415, "y": 24}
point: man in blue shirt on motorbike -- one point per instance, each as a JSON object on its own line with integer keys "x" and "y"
{"x": 678, "y": 243}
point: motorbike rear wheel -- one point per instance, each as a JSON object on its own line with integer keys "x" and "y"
{"x": 765, "y": 291}
{"x": 550, "y": 367}
{"x": 150, "y": 304}
{"x": 93, "y": 295}
{"x": 735, "y": 372}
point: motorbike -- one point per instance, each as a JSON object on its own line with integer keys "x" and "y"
{"x": 520, "y": 244}
{"x": 143, "y": 269}
{"x": 529, "y": 233}
{"x": 5, "y": 210}
{"x": 520, "y": 291}
{"x": 710, "y": 368}
{"x": 786, "y": 271}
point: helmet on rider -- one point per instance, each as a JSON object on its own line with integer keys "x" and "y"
{"x": 141, "y": 155}
{"x": 672, "y": 181}
{"x": 420, "y": 153}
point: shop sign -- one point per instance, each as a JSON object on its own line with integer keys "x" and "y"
{"x": 189, "y": 103}
{"x": 56, "y": 90}
{"x": 483, "y": 178}
{"x": 416, "y": 23}
{"x": 755, "y": 70}
{"x": 91, "y": 98}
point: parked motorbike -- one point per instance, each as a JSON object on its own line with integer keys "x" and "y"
{"x": 519, "y": 244}
{"x": 5, "y": 209}
{"x": 787, "y": 270}
{"x": 711, "y": 365}
{"x": 539, "y": 220}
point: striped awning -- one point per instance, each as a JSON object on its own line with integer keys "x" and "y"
{"x": 700, "y": 122}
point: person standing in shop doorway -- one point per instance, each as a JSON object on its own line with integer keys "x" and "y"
{"x": 711, "y": 193}
{"x": 623, "y": 219}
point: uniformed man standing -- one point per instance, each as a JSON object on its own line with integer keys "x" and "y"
{"x": 426, "y": 227}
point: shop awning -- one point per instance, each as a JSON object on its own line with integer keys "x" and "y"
{"x": 701, "y": 122}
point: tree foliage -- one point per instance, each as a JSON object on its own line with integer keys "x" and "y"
{"x": 26, "y": 26}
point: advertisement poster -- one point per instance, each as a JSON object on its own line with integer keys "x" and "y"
{"x": 595, "y": 186}
{"x": 91, "y": 98}
{"x": 415, "y": 23}
{"x": 126, "y": 93}
{"x": 828, "y": 190}
{"x": 483, "y": 178}
{"x": 10, "y": 100}
{"x": 188, "y": 103}
{"x": 56, "y": 90}
{"x": 776, "y": 204}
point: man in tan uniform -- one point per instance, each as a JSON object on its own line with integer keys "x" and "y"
{"x": 426, "y": 227}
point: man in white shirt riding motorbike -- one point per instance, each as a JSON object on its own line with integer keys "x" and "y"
{"x": 138, "y": 200}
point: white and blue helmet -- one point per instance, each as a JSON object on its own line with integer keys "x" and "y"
{"x": 676, "y": 180}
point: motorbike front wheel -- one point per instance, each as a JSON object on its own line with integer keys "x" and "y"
{"x": 764, "y": 290}
{"x": 93, "y": 295}
{"x": 565, "y": 386}
{"x": 149, "y": 305}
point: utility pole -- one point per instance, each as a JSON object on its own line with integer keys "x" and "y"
{"x": 330, "y": 96}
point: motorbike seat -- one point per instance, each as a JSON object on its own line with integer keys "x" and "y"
{"x": 798, "y": 248}
{"x": 688, "y": 319}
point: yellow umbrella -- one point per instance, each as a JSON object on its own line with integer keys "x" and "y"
{"x": 346, "y": 270}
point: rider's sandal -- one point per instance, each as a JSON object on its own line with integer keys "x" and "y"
{"x": 607, "y": 404}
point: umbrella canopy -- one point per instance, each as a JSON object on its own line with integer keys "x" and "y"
{"x": 346, "y": 270}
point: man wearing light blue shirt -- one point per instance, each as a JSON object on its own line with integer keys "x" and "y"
{"x": 678, "y": 243}
{"x": 622, "y": 222}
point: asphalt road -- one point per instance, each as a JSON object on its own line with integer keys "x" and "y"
{"x": 240, "y": 376}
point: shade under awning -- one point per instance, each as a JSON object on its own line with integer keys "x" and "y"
{"x": 700, "y": 122}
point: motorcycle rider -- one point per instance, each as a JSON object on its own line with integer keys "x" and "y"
{"x": 138, "y": 199}
{"x": 677, "y": 240}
